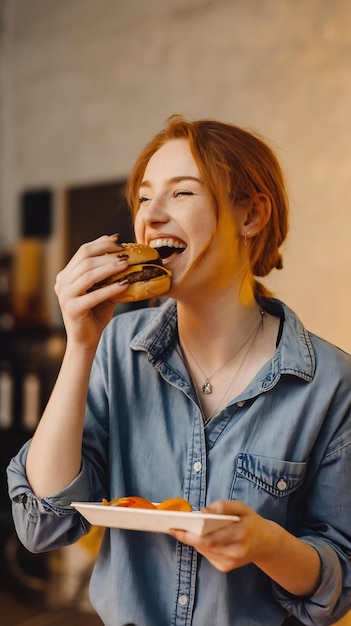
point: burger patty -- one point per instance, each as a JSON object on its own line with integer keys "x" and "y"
{"x": 147, "y": 273}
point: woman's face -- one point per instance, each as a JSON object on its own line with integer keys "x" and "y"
{"x": 177, "y": 217}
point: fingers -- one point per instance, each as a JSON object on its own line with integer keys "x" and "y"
{"x": 90, "y": 271}
{"x": 231, "y": 546}
{"x": 86, "y": 312}
{"x": 184, "y": 536}
{"x": 89, "y": 255}
{"x": 221, "y": 548}
{"x": 102, "y": 245}
{"x": 213, "y": 540}
{"x": 92, "y": 264}
{"x": 225, "y": 507}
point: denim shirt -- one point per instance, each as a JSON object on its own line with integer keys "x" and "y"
{"x": 282, "y": 447}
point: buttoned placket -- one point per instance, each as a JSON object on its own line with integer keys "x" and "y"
{"x": 195, "y": 492}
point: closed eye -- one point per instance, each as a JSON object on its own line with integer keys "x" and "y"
{"x": 176, "y": 194}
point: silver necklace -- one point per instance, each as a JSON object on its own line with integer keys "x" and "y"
{"x": 206, "y": 387}
{"x": 253, "y": 335}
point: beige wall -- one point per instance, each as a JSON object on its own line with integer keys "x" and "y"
{"x": 85, "y": 83}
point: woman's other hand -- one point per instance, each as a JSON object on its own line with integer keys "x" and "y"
{"x": 235, "y": 545}
{"x": 260, "y": 541}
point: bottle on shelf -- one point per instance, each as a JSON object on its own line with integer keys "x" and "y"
{"x": 31, "y": 399}
{"x": 6, "y": 396}
{"x": 6, "y": 310}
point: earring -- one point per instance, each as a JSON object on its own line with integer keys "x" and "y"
{"x": 245, "y": 238}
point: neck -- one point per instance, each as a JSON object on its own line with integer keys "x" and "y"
{"x": 211, "y": 332}
{"x": 207, "y": 311}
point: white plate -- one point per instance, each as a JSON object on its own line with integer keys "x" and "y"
{"x": 152, "y": 520}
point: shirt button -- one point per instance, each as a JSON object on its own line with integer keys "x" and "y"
{"x": 183, "y": 600}
{"x": 240, "y": 404}
{"x": 281, "y": 484}
{"x": 197, "y": 466}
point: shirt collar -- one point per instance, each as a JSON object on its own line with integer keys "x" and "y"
{"x": 158, "y": 337}
{"x": 295, "y": 351}
{"x": 294, "y": 354}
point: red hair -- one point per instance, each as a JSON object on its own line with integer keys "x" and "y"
{"x": 234, "y": 162}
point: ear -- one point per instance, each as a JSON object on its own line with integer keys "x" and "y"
{"x": 256, "y": 215}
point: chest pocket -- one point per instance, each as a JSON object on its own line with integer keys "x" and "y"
{"x": 269, "y": 486}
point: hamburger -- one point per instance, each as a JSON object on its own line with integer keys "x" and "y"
{"x": 146, "y": 275}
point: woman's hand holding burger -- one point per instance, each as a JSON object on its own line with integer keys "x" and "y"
{"x": 86, "y": 312}
{"x": 101, "y": 274}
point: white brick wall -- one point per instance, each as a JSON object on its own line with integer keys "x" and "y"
{"x": 87, "y": 82}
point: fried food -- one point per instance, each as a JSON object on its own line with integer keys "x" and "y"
{"x": 137, "y": 502}
{"x": 133, "y": 502}
{"x": 174, "y": 504}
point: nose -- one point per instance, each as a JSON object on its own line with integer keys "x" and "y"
{"x": 153, "y": 210}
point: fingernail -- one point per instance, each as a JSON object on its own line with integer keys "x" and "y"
{"x": 123, "y": 281}
{"x": 122, "y": 257}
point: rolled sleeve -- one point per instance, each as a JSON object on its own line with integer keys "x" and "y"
{"x": 327, "y": 604}
{"x": 35, "y": 519}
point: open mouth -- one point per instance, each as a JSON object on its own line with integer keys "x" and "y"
{"x": 167, "y": 247}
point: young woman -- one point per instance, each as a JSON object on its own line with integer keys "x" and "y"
{"x": 219, "y": 395}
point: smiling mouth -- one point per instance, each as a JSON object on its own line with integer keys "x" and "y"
{"x": 167, "y": 247}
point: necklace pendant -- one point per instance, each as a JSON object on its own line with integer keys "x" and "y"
{"x": 206, "y": 387}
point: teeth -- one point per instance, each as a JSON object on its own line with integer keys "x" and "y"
{"x": 169, "y": 243}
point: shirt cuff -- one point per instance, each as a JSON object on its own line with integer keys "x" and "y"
{"x": 77, "y": 490}
{"x": 317, "y": 607}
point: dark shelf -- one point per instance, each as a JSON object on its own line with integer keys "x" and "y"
{"x": 30, "y": 359}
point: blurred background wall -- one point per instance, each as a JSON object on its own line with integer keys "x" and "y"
{"x": 85, "y": 83}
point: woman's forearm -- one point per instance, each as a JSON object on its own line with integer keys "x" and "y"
{"x": 290, "y": 562}
{"x": 54, "y": 455}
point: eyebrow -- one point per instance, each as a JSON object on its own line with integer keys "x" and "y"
{"x": 174, "y": 179}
